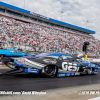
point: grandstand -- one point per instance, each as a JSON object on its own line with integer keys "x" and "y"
{"x": 29, "y": 30}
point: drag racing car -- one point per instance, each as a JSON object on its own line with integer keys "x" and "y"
{"x": 11, "y": 54}
{"x": 54, "y": 64}
{"x": 89, "y": 59}
{"x": 94, "y": 61}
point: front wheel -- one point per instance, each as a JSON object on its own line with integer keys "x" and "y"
{"x": 49, "y": 71}
{"x": 8, "y": 62}
{"x": 11, "y": 65}
{"x": 1, "y": 56}
{"x": 89, "y": 71}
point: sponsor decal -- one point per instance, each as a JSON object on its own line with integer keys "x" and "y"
{"x": 94, "y": 72}
{"x": 61, "y": 74}
{"x": 20, "y": 61}
{"x": 68, "y": 74}
{"x": 72, "y": 73}
{"x": 77, "y": 73}
{"x": 38, "y": 15}
{"x": 69, "y": 66}
{"x": 32, "y": 70}
{"x": 92, "y": 65}
{"x": 50, "y": 61}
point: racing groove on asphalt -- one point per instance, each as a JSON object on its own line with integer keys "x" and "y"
{"x": 32, "y": 82}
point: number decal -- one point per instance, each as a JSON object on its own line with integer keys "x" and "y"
{"x": 69, "y": 66}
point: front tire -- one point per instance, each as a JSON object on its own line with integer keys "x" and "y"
{"x": 49, "y": 71}
{"x": 1, "y": 56}
{"x": 11, "y": 65}
{"x": 8, "y": 62}
{"x": 90, "y": 71}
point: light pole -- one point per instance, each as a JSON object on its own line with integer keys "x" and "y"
{"x": 24, "y": 4}
{"x": 61, "y": 15}
{"x": 86, "y": 23}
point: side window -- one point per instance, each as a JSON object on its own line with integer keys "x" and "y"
{"x": 14, "y": 51}
{"x": 68, "y": 58}
{"x": 18, "y": 51}
{"x": 60, "y": 58}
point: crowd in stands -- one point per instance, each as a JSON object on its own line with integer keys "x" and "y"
{"x": 43, "y": 37}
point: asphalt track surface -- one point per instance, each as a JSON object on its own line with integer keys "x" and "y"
{"x": 33, "y": 82}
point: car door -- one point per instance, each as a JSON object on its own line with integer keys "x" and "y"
{"x": 69, "y": 64}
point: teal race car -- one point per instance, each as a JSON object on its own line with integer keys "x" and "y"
{"x": 10, "y": 54}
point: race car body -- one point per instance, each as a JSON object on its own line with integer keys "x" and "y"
{"x": 90, "y": 59}
{"x": 10, "y": 54}
{"x": 94, "y": 61}
{"x": 54, "y": 64}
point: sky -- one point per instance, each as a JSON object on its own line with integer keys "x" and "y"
{"x": 82, "y": 13}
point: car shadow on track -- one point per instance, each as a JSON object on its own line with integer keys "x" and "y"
{"x": 31, "y": 75}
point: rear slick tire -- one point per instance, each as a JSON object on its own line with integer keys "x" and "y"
{"x": 49, "y": 71}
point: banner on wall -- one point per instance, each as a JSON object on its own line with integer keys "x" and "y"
{"x": 38, "y": 15}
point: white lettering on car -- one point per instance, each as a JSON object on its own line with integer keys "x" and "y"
{"x": 69, "y": 66}
{"x": 50, "y": 61}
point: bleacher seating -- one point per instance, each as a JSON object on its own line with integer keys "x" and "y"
{"x": 44, "y": 38}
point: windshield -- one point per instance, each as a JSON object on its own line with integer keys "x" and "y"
{"x": 15, "y": 51}
{"x": 68, "y": 58}
{"x": 79, "y": 58}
